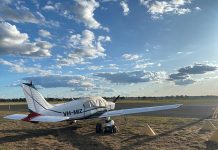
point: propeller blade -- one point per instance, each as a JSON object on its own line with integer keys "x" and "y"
{"x": 115, "y": 100}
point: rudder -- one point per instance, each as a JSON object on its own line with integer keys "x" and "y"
{"x": 35, "y": 100}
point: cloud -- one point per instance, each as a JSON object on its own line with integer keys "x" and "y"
{"x": 81, "y": 11}
{"x": 44, "y": 33}
{"x": 125, "y": 7}
{"x": 183, "y": 77}
{"x": 20, "y": 14}
{"x": 84, "y": 12}
{"x": 143, "y": 65}
{"x": 184, "y": 81}
{"x": 113, "y": 66}
{"x": 130, "y": 57}
{"x": 85, "y": 46}
{"x": 158, "y": 8}
{"x": 133, "y": 76}
{"x": 95, "y": 67}
{"x": 198, "y": 69}
{"x": 19, "y": 67}
{"x": 159, "y": 64}
{"x": 48, "y": 8}
{"x": 13, "y": 42}
{"x": 198, "y": 8}
{"x": 77, "y": 82}
{"x": 184, "y": 53}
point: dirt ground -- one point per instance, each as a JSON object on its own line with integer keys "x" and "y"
{"x": 173, "y": 133}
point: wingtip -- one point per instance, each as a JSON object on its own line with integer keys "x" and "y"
{"x": 179, "y": 105}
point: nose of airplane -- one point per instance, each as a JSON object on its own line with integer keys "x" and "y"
{"x": 110, "y": 105}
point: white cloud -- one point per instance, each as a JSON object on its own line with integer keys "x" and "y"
{"x": 44, "y": 33}
{"x": 130, "y": 56}
{"x": 95, "y": 67}
{"x": 143, "y": 65}
{"x": 77, "y": 82}
{"x": 159, "y": 64}
{"x": 133, "y": 76}
{"x": 159, "y": 8}
{"x": 125, "y": 7}
{"x": 14, "y": 42}
{"x": 48, "y": 7}
{"x": 84, "y": 12}
{"x": 19, "y": 67}
{"x": 20, "y": 14}
{"x": 197, "y": 8}
{"x": 184, "y": 53}
{"x": 85, "y": 46}
{"x": 113, "y": 66}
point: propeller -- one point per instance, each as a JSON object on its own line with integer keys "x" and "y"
{"x": 115, "y": 100}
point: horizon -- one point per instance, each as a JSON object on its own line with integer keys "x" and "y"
{"x": 83, "y": 48}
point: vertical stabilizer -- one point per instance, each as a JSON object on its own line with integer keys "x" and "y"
{"x": 35, "y": 100}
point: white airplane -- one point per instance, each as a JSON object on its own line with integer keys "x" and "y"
{"x": 83, "y": 108}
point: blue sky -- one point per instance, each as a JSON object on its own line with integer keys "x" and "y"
{"x": 109, "y": 47}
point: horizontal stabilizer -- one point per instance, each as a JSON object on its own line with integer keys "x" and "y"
{"x": 49, "y": 118}
{"x": 137, "y": 110}
{"x": 16, "y": 116}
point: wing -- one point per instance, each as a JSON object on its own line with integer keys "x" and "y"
{"x": 16, "y": 116}
{"x": 138, "y": 110}
{"x": 50, "y": 118}
{"x": 37, "y": 118}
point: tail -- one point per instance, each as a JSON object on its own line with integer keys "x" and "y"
{"x": 35, "y": 101}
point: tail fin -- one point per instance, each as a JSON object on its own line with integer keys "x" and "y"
{"x": 35, "y": 100}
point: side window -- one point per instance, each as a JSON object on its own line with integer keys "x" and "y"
{"x": 87, "y": 105}
{"x": 101, "y": 103}
{"x": 92, "y": 103}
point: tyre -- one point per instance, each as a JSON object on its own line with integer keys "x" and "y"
{"x": 98, "y": 128}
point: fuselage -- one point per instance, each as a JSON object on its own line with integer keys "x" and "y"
{"x": 82, "y": 108}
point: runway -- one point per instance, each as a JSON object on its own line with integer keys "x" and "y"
{"x": 185, "y": 111}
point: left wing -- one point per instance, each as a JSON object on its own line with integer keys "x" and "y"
{"x": 50, "y": 118}
{"x": 39, "y": 118}
{"x": 137, "y": 110}
{"x": 16, "y": 116}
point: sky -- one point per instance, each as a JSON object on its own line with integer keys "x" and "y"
{"x": 78, "y": 48}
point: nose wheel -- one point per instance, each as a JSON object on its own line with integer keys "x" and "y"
{"x": 107, "y": 127}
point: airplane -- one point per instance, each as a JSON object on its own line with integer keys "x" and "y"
{"x": 83, "y": 108}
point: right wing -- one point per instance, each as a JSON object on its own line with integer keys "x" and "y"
{"x": 137, "y": 110}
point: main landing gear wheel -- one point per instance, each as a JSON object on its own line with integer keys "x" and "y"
{"x": 98, "y": 128}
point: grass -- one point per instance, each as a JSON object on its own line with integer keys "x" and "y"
{"x": 173, "y": 133}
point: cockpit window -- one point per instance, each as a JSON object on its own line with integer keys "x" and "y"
{"x": 95, "y": 103}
